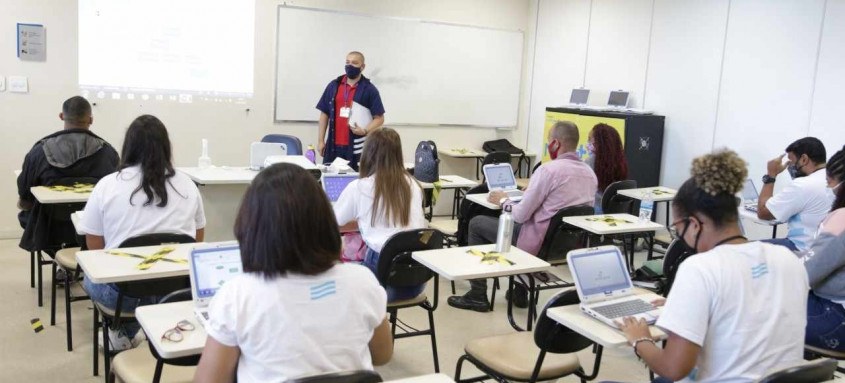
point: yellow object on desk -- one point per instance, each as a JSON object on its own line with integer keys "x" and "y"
{"x": 149, "y": 260}
{"x": 490, "y": 257}
{"x": 75, "y": 188}
{"x": 610, "y": 221}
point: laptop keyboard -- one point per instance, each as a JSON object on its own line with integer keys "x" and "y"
{"x": 623, "y": 309}
{"x": 751, "y": 208}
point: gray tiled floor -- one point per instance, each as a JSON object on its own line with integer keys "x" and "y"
{"x": 41, "y": 357}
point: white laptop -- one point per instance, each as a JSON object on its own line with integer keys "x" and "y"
{"x": 334, "y": 184}
{"x": 211, "y": 267}
{"x": 605, "y": 288}
{"x": 618, "y": 99}
{"x": 750, "y": 197}
{"x": 259, "y": 151}
{"x": 579, "y": 96}
{"x": 500, "y": 177}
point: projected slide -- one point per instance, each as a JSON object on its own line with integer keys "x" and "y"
{"x": 167, "y": 50}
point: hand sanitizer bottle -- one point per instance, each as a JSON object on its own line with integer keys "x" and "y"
{"x": 204, "y": 161}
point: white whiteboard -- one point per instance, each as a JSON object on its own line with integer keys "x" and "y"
{"x": 427, "y": 73}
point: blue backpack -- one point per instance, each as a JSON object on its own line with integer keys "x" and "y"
{"x": 426, "y": 163}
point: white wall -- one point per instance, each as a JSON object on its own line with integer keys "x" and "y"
{"x": 752, "y": 75}
{"x": 229, "y": 128}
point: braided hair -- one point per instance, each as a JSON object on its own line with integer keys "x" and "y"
{"x": 836, "y": 170}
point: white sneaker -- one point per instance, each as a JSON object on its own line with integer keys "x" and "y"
{"x": 118, "y": 341}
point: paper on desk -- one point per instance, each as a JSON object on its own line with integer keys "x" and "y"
{"x": 338, "y": 165}
{"x": 360, "y": 116}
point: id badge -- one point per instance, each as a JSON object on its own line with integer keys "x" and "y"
{"x": 345, "y": 111}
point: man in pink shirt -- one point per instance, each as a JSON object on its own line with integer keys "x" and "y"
{"x": 565, "y": 181}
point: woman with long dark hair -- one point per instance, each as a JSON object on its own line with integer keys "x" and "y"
{"x": 736, "y": 309}
{"x": 296, "y": 310}
{"x": 825, "y": 264}
{"x": 384, "y": 201}
{"x": 146, "y": 195}
{"x": 607, "y": 157}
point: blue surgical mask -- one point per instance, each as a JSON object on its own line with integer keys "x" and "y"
{"x": 352, "y": 71}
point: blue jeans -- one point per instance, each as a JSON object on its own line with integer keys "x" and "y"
{"x": 106, "y": 295}
{"x": 825, "y": 324}
{"x": 393, "y": 293}
{"x": 785, "y": 242}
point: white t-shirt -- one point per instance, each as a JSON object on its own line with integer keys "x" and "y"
{"x": 299, "y": 325}
{"x": 110, "y": 214}
{"x": 803, "y": 204}
{"x": 356, "y": 202}
{"x": 745, "y": 305}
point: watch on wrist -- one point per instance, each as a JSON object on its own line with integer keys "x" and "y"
{"x": 768, "y": 179}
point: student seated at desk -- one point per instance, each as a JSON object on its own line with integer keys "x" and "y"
{"x": 804, "y": 202}
{"x": 565, "y": 181}
{"x": 824, "y": 263}
{"x": 146, "y": 195}
{"x": 296, "y": 310}
{"x": 607, "y": 158}
{"x": 737, "y": 308}
{"x": 384, "y": 201}
{"x": 71, "y": 153}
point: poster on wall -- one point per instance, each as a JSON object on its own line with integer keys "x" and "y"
{"x": 585, "y": 125}
{"x": 31, "y": 42}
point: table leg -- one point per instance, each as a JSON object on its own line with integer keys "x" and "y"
{"x": 774, "y": 231}
{"x": 478, "y": 162}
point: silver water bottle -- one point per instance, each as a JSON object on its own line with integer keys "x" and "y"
{"x": 505, "y": 233}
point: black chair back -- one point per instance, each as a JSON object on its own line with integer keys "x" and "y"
{"x": 497, "y": 158}
{"x": 342, "y": 377}
{"x": 396, "y": 268}
{"x": 613, "y": 203}
{"x": 49, "y": 227}
{"x": 560, "y": 237}
{"x": 176, "y": 296}
{"x": 551, "y": 336}
{"x": 467, "y": 211}
{"x": 293, "y": 143}
{"x": 809, "y": 372}
{"x": 159, "y": 287}
{"x": 676, "y": 253}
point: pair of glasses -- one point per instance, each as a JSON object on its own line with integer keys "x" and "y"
{"x": 673, "y": 230}
{"x": 175, "y": 334}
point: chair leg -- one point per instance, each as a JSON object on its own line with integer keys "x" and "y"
{"x": 32, "y": 269}
{"x": 106, "y": 349}
{"x": 40, "y": 281}
{"x": 95, "y": 352}
{"x": 53, "y": 283}
{"x": 458, "y": 367}
{"x": 493, "y": 292}
{"x": 453, "y": 288}
{"x": 69, "y": 330}
{"x": 433, "y": 341}
{"x": 157, "y": 373}
{"x": 392, "y": 320}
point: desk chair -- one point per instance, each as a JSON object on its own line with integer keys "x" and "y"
{"x": 614, "y": 203}
{"x": 560, "y": 238}
{"x": 546, "y": 354}
{"x": 50, "y": 229}
{"x": 146, "y": 288}
{"x": 676, "y": 253}
{"x": 396, "y": 268}
{"x": 66, "y": 260}
{"x": 467, "y": 211}
{"x": 139, "y": 366}
{"x": 808, "y": 372}
{"x": 294, "y": 144}
{"x": 342, "y": 377}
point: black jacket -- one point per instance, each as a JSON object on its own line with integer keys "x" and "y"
{"x": 67, "y": 156}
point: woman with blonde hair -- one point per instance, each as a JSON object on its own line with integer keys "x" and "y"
{"x": 385, "y": 200}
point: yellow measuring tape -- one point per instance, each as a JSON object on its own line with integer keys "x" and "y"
{"x": 490, "y": 257}
{"x": 149, "y": 260}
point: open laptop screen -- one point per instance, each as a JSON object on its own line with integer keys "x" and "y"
{"x": 335, "y": 184}
{"x": 213, "y": 267}
{"x": 579, "y": 96}
{"x": 749, "y": 192}
{"x": 600, "y": 272}
{"x": 499, "y": 177}
{"x": 618, "y": 98}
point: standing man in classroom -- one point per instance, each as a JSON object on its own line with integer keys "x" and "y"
{"x": 345, "y": 140}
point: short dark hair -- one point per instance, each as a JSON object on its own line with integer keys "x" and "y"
{"x": 286, "y": 224}
{"x": 76, "y": 109}
{"x": 811, "y": 146}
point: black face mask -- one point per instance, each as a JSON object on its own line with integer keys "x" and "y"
{"x": 795, "y": 171}
{"x": 694, "y": 248}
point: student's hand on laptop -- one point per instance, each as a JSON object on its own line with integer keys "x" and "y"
{"x": 775, "y": 166}
{"x": 496, "y": 196}
{"x": 634, "y": 328}
{"x": 659, "y": 302}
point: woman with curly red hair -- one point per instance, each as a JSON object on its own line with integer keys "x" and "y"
{"x": 607, "y": 157}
